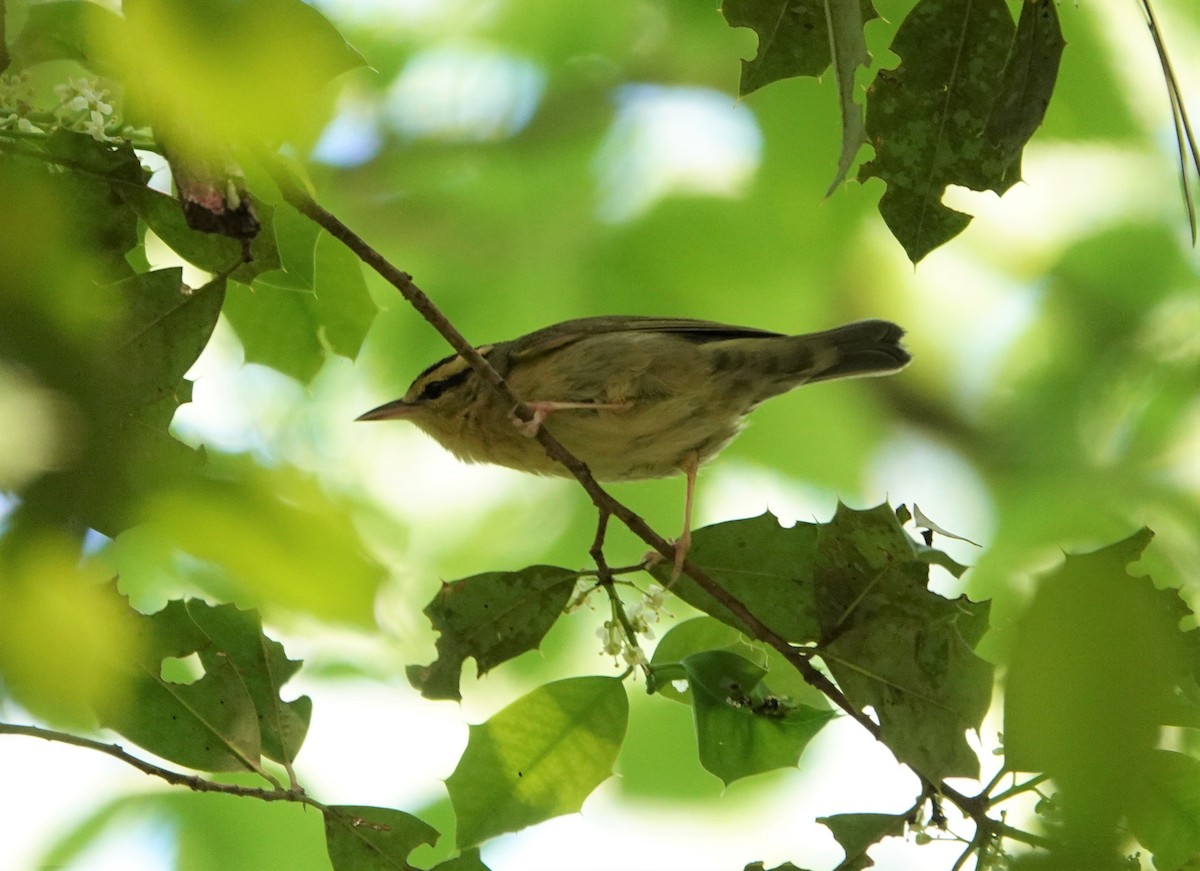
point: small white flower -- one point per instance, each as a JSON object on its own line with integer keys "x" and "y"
{"x": 634, "y": 656}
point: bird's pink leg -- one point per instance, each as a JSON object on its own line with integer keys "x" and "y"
{"x": 690, "y": 464}
{"x": 541, "y": 410}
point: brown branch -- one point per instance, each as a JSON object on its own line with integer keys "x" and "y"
{"x": 973, "y": 807}
{"x": 175, "y": 778}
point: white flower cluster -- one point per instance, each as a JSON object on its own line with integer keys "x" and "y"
{"x": 16, "y": 95}
{"x": 614, "y": 640}
{"x": 83, "y": 106}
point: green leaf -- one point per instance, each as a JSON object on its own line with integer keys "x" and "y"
{"x": 263, "y": 667}
{"x": 697, "y": 635}
{"x": 491, "y": 617}
{"x": 927, "y": 117}
{"x": 896, "y": 647}
{"x": 274, "y": 535}
{"x": 786, "y": 866}
{"x": 1027, "y": 80}
{"x": 926, "y": 685}
{"x": 210, "y": 251}
{"x": 1164, "y": 808}
{"x": 342, "y": 304}
{"x": 857, "y": 832}
{"x": 75, "y": 30}
{"x": 200, "y": 54}
{"x": 849, "y": 48}
{"x": 764, "y": 566}
{"x": 741, "y": 726}
{"x": 210, "y": 724}
{"x": 793, "y": 37}
{"x": 538, "y": 758}
{"x": 373, "y": 838}
{"x": 1096, "y": 669}
{"x": 469, "y": 860}
{"x": 319, "y": 299}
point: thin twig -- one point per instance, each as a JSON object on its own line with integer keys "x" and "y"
{"x": 1185, "y": 139}
{"x": 1016, "y": 790}
{"x": 798, "y": 658}
{"x": 175, "y": 778}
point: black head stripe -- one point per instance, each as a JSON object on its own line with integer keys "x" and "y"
{"x": 438, "y": 386}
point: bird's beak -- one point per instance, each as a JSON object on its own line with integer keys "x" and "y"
{"x": 393, "y": 410}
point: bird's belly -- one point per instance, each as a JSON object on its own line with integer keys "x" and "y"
{"x": 641, "y": 442}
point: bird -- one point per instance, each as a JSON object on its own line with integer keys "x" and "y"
{"x": 632, "y": 397}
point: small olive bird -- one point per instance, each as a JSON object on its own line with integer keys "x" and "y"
{"x": 632, "y": 397}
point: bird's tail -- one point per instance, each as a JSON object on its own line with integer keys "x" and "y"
{"x": 862, "y": 348}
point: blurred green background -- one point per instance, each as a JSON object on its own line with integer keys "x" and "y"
{"x": 530, "y": 162}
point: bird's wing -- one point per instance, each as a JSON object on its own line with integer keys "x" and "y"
{"x": 559, "y": 335}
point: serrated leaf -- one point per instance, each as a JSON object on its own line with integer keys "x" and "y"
{"x": 742, "y": 727}
{"x": 764, "y": 566}
{"x": 263, "y": 667}
{"x": 1163, "y": 807}
{"x": 793, "y": 37}
{"x": 538, "y": 758}
{"x": 362, "y": 838}
{"x": 209, "y": 725}
{"x": 926, "y": 118}
{"x": 926, "y": 685}
{"x": 858, "y": 832}
{"x": 491, "y": 617}
{"x": 1096, "y": 669}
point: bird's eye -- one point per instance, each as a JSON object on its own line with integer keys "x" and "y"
{"x": 436, "y": 388}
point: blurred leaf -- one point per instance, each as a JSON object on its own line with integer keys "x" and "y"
{"x": 1093, "y": 674}
{"x": 857, "y": 832}
{"x": 491, "y": 617}
{"x": 1164, "y": 808}
{"x": 786, "y": 866}
{"x": 793, "y": 37}
{"x": 78, "y": 30}
{"x": 538, "y": 758}
{"x": 207, "y": 71}
{"x": 741, "y": 726}
{"x": 62, "y": 636}
{"x": 277, "y": 537}
{"x": 212, "y": 832}
{"x": 263, "y": 667}
{"x": 926, "y": 118}
{"x": 210, "y": 724}
{"x": 373, "y": 838}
